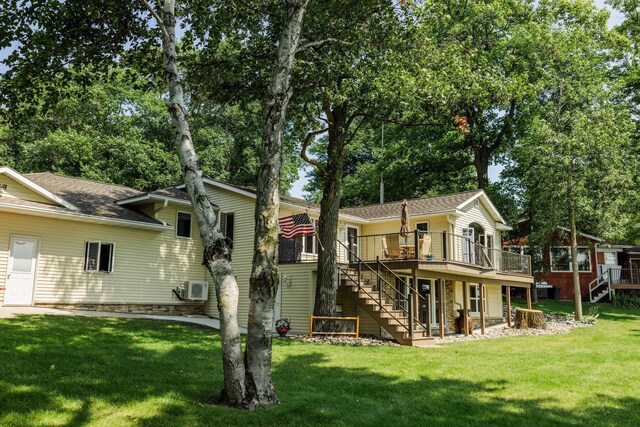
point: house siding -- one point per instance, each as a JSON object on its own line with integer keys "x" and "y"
{"x": 19, "y": 191}
{"x": 296, "y": 299}
{"x": 493, "y": 301}
{"x": 147, "y": 264}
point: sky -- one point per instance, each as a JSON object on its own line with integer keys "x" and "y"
{"x": 297, "y": 189}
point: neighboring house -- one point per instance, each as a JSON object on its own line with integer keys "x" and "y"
{"x": 68, "y": 242}
{"x": 554, "y": 267}
{"x": 602, "y": 268}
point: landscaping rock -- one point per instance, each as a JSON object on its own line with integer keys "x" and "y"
{"x": 345, "y": 340}
{"x": 499, "y": 331}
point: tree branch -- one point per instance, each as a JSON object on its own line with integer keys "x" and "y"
{"x": 318, "y": 44}
{"x": 505, "y": 126}
{"x": 303, "y": 151}
{"x": 159, "y": 20}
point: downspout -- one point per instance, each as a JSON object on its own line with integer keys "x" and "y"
{"x": 157, "y": 210}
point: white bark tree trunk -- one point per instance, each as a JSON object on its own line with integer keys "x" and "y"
{"x": 216, "y": 255}
{"x": 264, "y": 275}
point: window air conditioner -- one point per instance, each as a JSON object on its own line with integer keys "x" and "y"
{"x": 196, "y": 290}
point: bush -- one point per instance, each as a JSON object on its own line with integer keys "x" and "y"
{"x": 626, "y": 300}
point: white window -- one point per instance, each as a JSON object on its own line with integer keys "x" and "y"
{"x": 98, "y": 257}
{"x": 227, "y": 222}
{"x": 183, "y": 225}
{"x": 474, "y": 298}
{"x": 610, "y": 258}
{"x": 422, "y": 226}
{"x": 310, "y": 242}
{"x": 561, "y": 259}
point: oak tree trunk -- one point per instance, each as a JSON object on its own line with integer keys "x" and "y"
{"x": 264, "y": 280}
{"x": 327, "y": 285}
{"x": 481, "y": 159}
{"x": 574, "y": 252}
{"x": 217, "y": 253}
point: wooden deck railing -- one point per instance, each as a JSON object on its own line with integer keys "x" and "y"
{"x": 438, "y": 247}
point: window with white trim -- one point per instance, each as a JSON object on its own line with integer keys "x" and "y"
{"x": 183, "y": 225}
{"x": 474, "y": 298}
{"x": 98, "y": 257}
{"x": 227, "y": 222}
{"x": 610, "y": 258}
{"x": 561, "y": 259}
{"x": 310, "y": 242}
{"x": 422, "y": 226}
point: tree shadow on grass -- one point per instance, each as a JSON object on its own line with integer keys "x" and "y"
{"x": 79, "y": 371}
{"x": 313, "y": 393}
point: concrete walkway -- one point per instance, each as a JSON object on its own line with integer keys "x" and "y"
{"x": 10, "y": 312}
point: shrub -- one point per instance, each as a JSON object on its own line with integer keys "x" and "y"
{"x": 626, "y": 300}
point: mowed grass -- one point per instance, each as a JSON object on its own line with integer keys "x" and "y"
{"x": 73, "y": 371}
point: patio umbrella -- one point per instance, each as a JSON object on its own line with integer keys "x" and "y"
{"x": 404, "y": 220}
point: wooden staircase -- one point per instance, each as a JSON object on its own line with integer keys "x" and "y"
{"x": 382, "y": 310}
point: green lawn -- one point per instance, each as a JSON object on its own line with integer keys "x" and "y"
{"x": 74, "y": 371}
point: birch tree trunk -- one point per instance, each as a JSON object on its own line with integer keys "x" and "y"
{"x": 216, "y": 255}
{"x": 264, "y": 275}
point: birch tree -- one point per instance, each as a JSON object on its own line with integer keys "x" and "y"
{"x": 264, "y": 274}
{"x": 50, "y": 35}
{"x": 251, "y": 384}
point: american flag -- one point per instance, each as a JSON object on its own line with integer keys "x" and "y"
{"x": 295, "y": 225}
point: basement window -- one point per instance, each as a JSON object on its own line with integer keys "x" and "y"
{"x": 98, "y": 257}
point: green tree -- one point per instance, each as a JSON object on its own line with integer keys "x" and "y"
{"x": 574, "y": 160}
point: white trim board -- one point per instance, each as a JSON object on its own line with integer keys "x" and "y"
{"x": 36, "y": 188}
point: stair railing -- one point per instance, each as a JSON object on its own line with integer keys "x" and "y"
{"x": 407, "y": 296}
{"x": 597, "y": 283}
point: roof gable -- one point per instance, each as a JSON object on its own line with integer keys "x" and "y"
{"x": 43, "y": 194}
{"x": 487, "y": 203}
{"x": 417, "y": 207}
{"x": 92, "y": 198}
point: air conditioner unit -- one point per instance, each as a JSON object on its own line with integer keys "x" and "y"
{"x": 196, "y": 290}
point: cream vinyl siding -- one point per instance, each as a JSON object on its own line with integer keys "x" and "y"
{"x": 493, "y": 300}
{"x": 478, "y": 214}
{"x": 148, "y": 264}
{"x": 19, "y": 191}
{"x": 297, "y": 299}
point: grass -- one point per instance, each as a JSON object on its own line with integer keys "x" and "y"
{"x": 73, "y": 371}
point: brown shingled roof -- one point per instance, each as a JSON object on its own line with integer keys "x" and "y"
{"x": 91, "y": 197}
{"x": 422, "y": 206}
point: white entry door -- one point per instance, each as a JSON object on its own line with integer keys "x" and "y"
{"x": 21, "y": 274}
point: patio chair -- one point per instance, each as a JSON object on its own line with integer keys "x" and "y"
{"x": 425, "y": 246}
{"x": 391, "y": 246}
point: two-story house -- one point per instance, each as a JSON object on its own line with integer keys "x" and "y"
{"x": 75, "y": 243}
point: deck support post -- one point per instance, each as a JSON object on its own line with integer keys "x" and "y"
{"x": 414, "y": 298}
{"x": 529, "y": 298}
{"x": 441, "y": 293}
{"x": 482, "y": 296}
{"x": 428, "y": 314}
{"x": 465, "y": 308}
{"x": 509, "y": 306}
